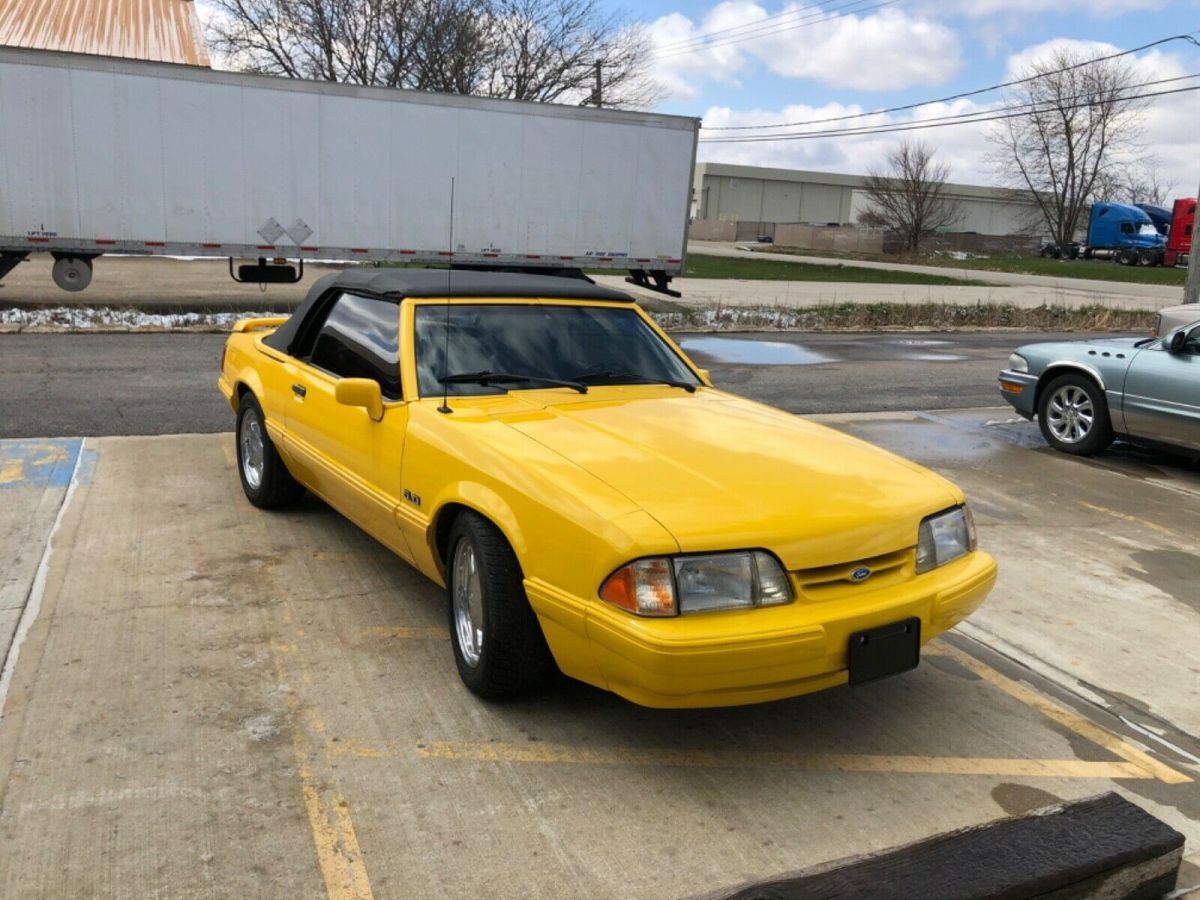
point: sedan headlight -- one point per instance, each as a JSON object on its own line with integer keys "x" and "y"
{"x": 669, "y": 586}
{"x": 945, "y": 537}
{"x": 1018, "y": 363}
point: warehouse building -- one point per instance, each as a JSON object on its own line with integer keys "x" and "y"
{"x": 752, "y": 194}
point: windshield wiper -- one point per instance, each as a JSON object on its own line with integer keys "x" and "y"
{"x": 632, "y": 378}
{"x": 488, "y": 378}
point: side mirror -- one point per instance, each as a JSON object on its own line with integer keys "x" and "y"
{"x": 1174, "y": 341}
{"x": 361, "y": 392}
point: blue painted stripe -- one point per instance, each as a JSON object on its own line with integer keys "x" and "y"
{"x": 45, "y": 462}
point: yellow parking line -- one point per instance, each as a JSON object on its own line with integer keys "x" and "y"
{"x": 1126, "y": 517}
{"x": 1076, "y": 723}
{"x": 542, "y": 753}
{"x": 336, "y": 842}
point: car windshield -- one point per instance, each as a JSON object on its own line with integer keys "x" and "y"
{"x": 588, "y": 345}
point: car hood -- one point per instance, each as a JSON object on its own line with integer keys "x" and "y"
{"x": 719, "y": 472}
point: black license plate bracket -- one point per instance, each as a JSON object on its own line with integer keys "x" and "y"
{"x": 887, "y": 650}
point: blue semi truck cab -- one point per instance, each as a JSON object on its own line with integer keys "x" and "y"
{"x": 1124, "y": 233}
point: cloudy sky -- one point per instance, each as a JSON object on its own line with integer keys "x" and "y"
{"x": 804, "y": 62}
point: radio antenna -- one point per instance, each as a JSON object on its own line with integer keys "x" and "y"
{"x": 445, "y": 407}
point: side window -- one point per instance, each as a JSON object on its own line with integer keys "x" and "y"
{"x": 360, "y": 338}
{"x": 1192, "y": 345}
{"x": 1126, "y": 228}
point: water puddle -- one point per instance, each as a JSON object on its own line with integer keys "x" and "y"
{"x": 934, "y": 357}
{"x": 753, "y": 353}
{"x": 920, "y": 342}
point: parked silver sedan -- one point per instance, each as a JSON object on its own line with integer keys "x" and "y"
{"x": 1085, "y": 394}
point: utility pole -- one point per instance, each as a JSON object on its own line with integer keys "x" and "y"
{"x": 1191, "y": 288}
{"x": 599, "y": 85}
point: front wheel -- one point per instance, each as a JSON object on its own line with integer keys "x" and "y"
{"x": 498, "y": 644}
{"x": 1073, "y": 415}
{"x": 266, "y": 481}
{"x": 1147, "y": 258}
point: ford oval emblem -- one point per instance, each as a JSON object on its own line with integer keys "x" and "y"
{"x": 860, "y": 574}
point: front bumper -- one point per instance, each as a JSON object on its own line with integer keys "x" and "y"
{"x": 751, "y": 656}
{"x": 1020, "y": 390}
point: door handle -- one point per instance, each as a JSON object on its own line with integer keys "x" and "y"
{"x": 299, "y": 390}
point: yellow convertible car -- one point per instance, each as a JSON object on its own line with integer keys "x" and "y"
{"x": 590, "y": 502}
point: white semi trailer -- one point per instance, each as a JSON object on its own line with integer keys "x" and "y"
{"x": 101, "y": 155}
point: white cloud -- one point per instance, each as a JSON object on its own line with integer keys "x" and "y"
{"x": 680, "y": 69}
{"x": 887, "y": 51}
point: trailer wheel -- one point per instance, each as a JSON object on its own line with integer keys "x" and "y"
{"x": 71, "y": 273}
{"x": 1148, "y": 258}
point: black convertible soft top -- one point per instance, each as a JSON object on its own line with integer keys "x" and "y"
{"x": 396, "y": 284}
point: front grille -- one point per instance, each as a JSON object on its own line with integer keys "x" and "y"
{"x": 831, "y": 582}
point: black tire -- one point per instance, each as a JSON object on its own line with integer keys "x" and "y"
{"x": 1147, "y": 258}
{"x": 505, "y": 653}
{"x": 1074, "y": 433}
{"x": 1126, "y": 257}
{"x": 276, "y": 487}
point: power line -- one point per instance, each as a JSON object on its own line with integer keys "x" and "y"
{"x": 973, "y": 93}
{"x": 979, "y": 117}
{"x": 807, "y": 21}
{"x": 696, "y": 41}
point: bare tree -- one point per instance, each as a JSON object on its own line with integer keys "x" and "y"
{"x": 1140, "y": 182}
{"x": 910, "y": 198}
{"x": 1080, "y": 122}
{"x": 544, "y": 50}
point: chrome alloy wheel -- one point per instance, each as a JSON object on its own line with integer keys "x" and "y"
{"x": 1070, "y": 414}
{"x": 250, "y": 442}
{"x": 468, "y": 603}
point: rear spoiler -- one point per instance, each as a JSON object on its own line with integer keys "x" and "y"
{"x": 255, "y": 324}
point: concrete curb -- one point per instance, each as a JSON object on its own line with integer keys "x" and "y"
{"x": 1102, "y": 846}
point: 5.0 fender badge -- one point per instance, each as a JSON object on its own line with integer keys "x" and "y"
{"x": 414, "y": 499}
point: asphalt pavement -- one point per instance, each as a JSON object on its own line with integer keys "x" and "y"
{"x": 124, "y": 384}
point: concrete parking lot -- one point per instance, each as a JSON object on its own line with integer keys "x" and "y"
{"x": 209, "y": 700}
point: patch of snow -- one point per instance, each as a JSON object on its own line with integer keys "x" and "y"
{"x": 70, "y": 318}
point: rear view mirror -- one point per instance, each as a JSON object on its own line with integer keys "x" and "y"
{"x": 361, "y": 392}
{"x": 1174, "y": 341}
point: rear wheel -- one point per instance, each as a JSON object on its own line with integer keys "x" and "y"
{"x": 265, "y": 479}
{"x": 498, "y": 644}
{"x": 1126, "y": 257}
{"x": 1073, "y": 415}
{"x": 1147, "y": 258}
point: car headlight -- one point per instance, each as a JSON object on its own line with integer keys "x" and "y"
{"x": 1018, "y": 363}
{"x": 945, "y": 537}
{"x": 669, "y": 586}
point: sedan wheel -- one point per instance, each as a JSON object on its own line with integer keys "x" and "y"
{"x": 1073, "y": 415}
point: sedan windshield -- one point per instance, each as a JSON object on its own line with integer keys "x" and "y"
{"x": 578, "y": 344}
